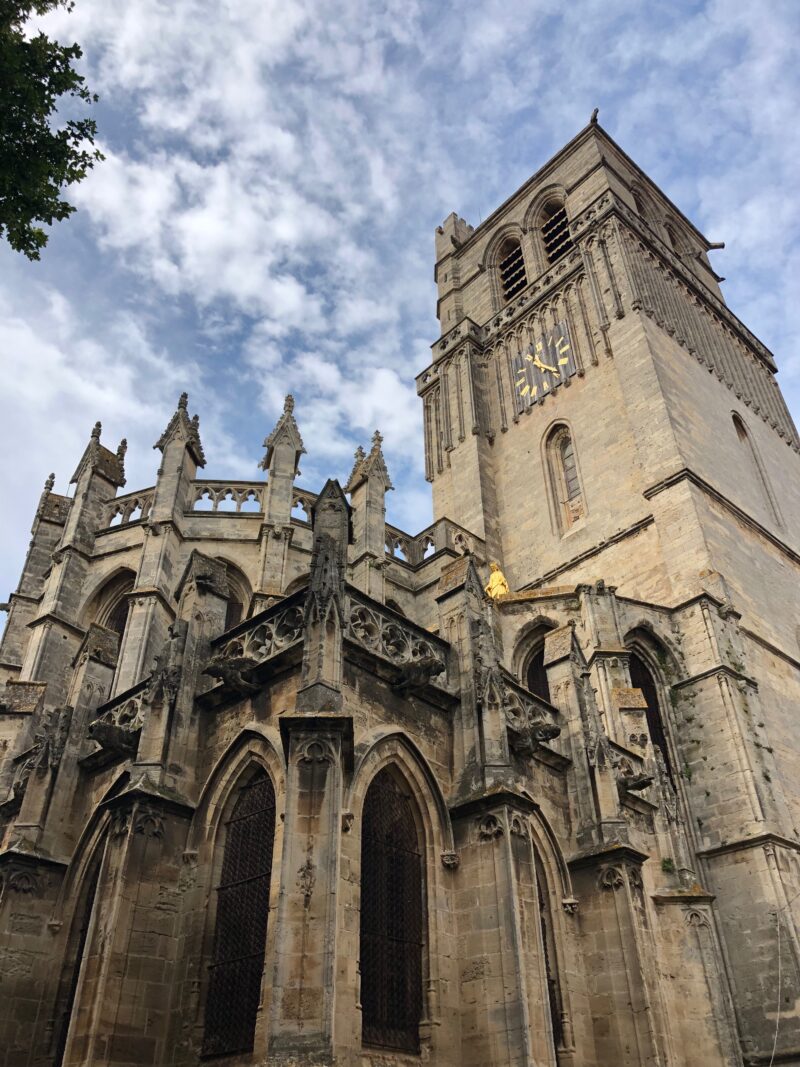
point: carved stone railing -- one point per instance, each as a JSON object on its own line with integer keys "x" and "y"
{"x": 132, "y": 507}
{"x": 228, "y": 497}
{"x": 118, "y": 723}
{"x": 418, "y": 656}
{"x": 530, "y": 720}
{"x": 441, "y": 535}
{"x": 236, "y": 653}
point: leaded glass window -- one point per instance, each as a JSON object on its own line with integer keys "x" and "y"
{"x": 391, "y": 918}
{"x": 240, "y": 933}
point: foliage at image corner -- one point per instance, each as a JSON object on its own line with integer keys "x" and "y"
{"x": 38, "y": 156}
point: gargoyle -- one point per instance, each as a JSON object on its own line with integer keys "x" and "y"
{"x": 114, "y": 738}
{"x": 231, "y": 671}
{"x": 417, "y": 674}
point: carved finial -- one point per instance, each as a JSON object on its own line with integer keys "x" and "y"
{"x": 359, "y": 454}
{"x": 288, "y": 404}
{"x": 377, "y": 439}
{"x": 183, "y": 402}
{"x": 123, "y": 448}
{"x": 195, "y": 421}
{"x": 95, "y": 435}
{"x": 49, "y": 483}
{"x": 593, "y": 119}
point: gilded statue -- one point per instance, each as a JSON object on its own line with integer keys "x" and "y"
{"x": 498, "y": 586}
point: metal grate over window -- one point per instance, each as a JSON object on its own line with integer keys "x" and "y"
{"x": 240, "y": 934}
{"x": 555, "y": 231}
{"x": 391, "y": 918}
{"x": 512, "y": 269}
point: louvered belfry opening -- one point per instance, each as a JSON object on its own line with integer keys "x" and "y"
{"x": 391, "y": 918}
{"x": 240, "y": 933}
{"x": 555, "y": 231}
{"x": 512, "y": 268}
{"x": 570, "y": 467}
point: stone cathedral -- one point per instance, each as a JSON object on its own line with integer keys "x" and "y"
{"x": 282, "y": 784}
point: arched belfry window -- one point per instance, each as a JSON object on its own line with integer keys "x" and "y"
{"x": 555, "y": 230}
{"x": 242, "y": 908}
{"x": 753, "y": 462}
{"x": 110, "y": 605}
{"x": 391, "y": 917}
{"x": 511, "y": 265}
{"x": 564, "y": 478}
{"x": 642, "y": 678}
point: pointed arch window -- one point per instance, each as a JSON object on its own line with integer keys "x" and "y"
{"x": 391, "y": 917}
{"x": 555, "y": 230}
{"x": 554, "y": 1000}
{"x": 564, "y": 478}
{"x": 757, "y": 471}
{"x": 511, "y": 264}
{"x": 642, "y": 678}
{"x": 74, "y": 961}
{"x": 240, "y": 933}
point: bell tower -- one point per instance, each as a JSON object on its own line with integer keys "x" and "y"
{"x": 602, "y": 420}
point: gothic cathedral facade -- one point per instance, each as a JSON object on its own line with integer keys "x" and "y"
{"x": 283, "y": 784}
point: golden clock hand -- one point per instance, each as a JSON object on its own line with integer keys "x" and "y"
{"x": 544, "y": 366}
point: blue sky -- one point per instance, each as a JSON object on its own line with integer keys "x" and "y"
{"x": 264, "y": 220}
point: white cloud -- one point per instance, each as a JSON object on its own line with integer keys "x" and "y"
{"x": 263, "y": 220}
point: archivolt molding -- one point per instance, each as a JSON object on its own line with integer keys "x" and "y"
{"x": 256, "y": 745}
{"x": 383, "y": 748}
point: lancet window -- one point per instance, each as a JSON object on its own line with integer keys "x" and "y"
{"x": 391, "y": 917}
{"x": 73, "y": 964}
{"x": 550, "y": 958}
{"x": 642, "y": 678}
{"x": 242, "y": 908}
{"x": 565, "y": 480}
{"x": 753, "y": 461}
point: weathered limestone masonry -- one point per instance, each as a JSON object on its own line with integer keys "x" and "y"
{"x": 280, "y": 784}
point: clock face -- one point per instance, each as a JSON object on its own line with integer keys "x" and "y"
{"x": 548, "y": 362}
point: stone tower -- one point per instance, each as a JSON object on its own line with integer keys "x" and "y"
{"x": 281, "y": 784}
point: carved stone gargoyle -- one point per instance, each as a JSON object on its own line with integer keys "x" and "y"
{"x": 414, "y": 676}
{"x": 114, "y": 738}
{"x": 629, "y": 780}
{"x": 232, "y": 670}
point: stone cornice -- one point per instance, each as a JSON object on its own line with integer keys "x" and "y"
{"x": 712, "y": 672}
{"x": 757, "y": 841}
{"x": 686, "y": 474}
{"x": 588, "y": 553}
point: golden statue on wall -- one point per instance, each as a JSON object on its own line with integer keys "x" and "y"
{"x": 498, "y": 586}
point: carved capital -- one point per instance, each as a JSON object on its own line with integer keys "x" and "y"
{"x": 451, "y": 860}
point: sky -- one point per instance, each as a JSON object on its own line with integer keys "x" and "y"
{"x": 263, "y": 221}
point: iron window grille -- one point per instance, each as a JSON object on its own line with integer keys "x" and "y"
{"x": 240, "y": 933}
{"x": 391, "y": 918}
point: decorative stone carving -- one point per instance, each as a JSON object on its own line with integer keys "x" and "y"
{"x": 570, "y": 905}
{"x": 451, "y": 860}
{"x": 315, "y": 751}
{"x": 165, "y": 679}
{"x": 697, "y": 919}
{"x": 489, "y": 827}
{"x": 148, "y": 822}
{"x": 270, "y": 633}
{"x": 306, "y": 879}
{"x": 419, "y": 658}
{"x": 119, "y": 722}
{"x": 120, "y": 822}
{"x": 517, "y": 827}
{"x": 611, "y": 878}
{"x": 231, "y": 669}
{"x": 347, "y": 821}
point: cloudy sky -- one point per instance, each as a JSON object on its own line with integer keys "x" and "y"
{"x": 264, "y": 218}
